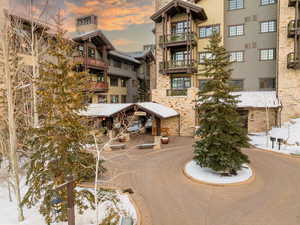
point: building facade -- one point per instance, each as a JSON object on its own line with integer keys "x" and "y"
{"x": 256, "y": 33}
{"x": 115, "y": 74}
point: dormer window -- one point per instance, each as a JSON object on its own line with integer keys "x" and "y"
{"x": 180, "y": 27}
{"x": 81, "y": 50}
{"x": 91, "y": 53}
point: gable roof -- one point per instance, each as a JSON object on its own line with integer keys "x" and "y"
{"x": 125, "y": 56}
{"x": 110, "y": 110}
{"x": 77, "y": 36}
{"x": 171, "y": 8}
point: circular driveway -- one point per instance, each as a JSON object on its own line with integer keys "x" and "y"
{"x": 166, "y": 197}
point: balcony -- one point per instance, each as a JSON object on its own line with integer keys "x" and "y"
{"x": 292, "y": 61}
{"x": 178, "y": 66}
{"x": 91, "y": 62}
{"x": 177, "y": 92}
{"x": 178, "y": 39}
{"x": 293, "y": 28}
{"x": 292, "y": 3}
{"x": 99, "y": 87}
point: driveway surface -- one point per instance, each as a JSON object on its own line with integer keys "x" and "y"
{"x": 166, "y": 197}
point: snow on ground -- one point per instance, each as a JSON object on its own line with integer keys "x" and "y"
{"x": 8, "y": 210}
{"x": 290, "y": 132}
{"x": 207, "y": 175}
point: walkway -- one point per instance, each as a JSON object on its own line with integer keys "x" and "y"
{"x": 166, "y": 197}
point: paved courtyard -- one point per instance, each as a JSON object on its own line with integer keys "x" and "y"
{"x": 166, "y": 197}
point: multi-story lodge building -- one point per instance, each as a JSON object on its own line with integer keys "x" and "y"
{"x": 262, "y": 38}
{"x": 116, "y": 75}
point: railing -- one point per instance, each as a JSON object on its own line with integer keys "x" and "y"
{"x": 178, "y": 64}
{"x": 179, "y": 37}
{"x": 91, "y": 62}
{"x": 99, "y": 86}
{"x": 177, "y": 92}
{"x": 292, "y": 60}
{"x": 293, "y": 28}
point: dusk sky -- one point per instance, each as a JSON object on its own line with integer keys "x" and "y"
{"x": 126, "y": 23}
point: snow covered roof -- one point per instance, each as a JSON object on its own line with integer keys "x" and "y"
{"x": 158, "y": 110}
{"x": 139, "y": 54}
{"x": 104, "y": 110}
{"x": 257, "y": 99}
{"x": 108, "y": 110}
{"x": 124, "y": 56}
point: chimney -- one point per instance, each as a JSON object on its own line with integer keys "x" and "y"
{"x": 86, "y": 23}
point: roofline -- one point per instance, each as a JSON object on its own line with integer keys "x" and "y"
{"x": 134, "y": 60}
{"x": 95, "y": 33}
{"x": 196, "y": 8}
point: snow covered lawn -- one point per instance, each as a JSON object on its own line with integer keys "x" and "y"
{"x": 193, "y": 170}
{"x": 289, "y": 132}
{"x": 8, "y": 211}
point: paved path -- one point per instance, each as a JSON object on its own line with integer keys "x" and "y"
{"x": 166, "y": 197}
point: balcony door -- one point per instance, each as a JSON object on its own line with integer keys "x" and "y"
{"x": 179, "y": 27}
{"x": 180, "y": 58}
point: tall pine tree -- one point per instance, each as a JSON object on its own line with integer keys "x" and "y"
{"x": 221, "y": 131}
{"x": 59, "y": 143}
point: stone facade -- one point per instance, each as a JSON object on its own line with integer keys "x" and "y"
{"x": 288, "y": 80}
{"x": 258, "y": 117}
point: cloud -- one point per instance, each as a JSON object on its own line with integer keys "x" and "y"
{"x": 113, "y": 14}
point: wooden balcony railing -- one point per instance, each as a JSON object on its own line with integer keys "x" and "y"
{"x": 180, "y": 66}
{"x": 292, "y": 61}
{"x": 180, "y": 38}
{"x": 99, "y": 86}
{"x": 91, "y": 62}
{"x": 293, "y": 28}
{"x": 177, "y": 92}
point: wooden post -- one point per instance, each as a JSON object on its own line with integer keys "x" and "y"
{"x": 158, "y": 126}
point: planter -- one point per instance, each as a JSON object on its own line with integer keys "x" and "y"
{"x": 164, "y": 140}
{"x": 122, "y": 139}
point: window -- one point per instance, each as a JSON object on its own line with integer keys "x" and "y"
{"x": 267, "y": 2}
{"x": 236, "y": 30}
{"x": 123, "y": 98}
{"x": 203, "y": 56}
{"x": 91, "y": 53}
{"x": 117, "y": 63}
{"x": 114, "y": 98}
{"x": 179, "y": 55}
{"x": 81, "y": 50}
{"x": 102, "y": 99}
{"x": 207, "y": 31}
{"x": 267, "y": 54}
{"x": 235, "y": 4}
{"x": 202, "y": 84}
{"x": 180, "y": 27}
{"x": 100, "y": 77}
{"x": 238, "y": 85}
{"x": 114, "y": 81}
{"x": 268, "y": 26}
{"x": 267, "y": 83}
{"x": 237, "y": 56}
{"x": 123, "y": 82}
{"x": 180, "y": 82}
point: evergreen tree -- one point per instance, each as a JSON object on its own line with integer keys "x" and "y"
{"x": 221, "y": 131}
{"x": 59, "y": 142}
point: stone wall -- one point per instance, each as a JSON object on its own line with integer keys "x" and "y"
{"x": 169, "y": 127}
{"x": 288, "y": 79}
{"x": 257, "y": 119}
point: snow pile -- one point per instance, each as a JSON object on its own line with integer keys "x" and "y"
{"x": 207, "y": 175}
{"x": 289, "y": 132}
{"x": 8, "y": 212}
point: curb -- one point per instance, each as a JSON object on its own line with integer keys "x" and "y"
{"x": 275, "y": 153}
{"x": 248, "y": 181}
{"x": 137, "y": 209}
